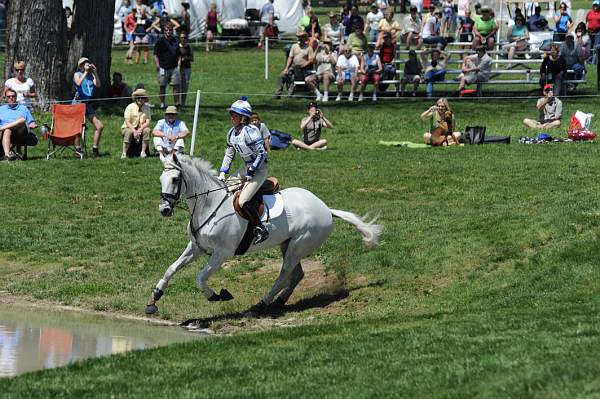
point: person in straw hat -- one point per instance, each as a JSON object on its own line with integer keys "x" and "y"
{"x": 299, "y": 62}
{"x": 137, "y": 122}
{"x": 170, "y": 132}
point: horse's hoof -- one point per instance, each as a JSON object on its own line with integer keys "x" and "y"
{"x": 214, "y": 297}
{"x": 277, "y": 304}
{"x": 256, "y": 310}
{"x": 151, "y": 309}
{"x": 225, "y": 295}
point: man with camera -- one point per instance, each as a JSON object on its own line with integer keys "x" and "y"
{"x": 550, "y": 109}
{"x": 311, "y": 126}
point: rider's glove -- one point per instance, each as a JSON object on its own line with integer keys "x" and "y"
{"x": 248, "y": 177}
{"x": 222, "y": 176}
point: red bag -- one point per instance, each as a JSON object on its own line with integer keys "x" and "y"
{"x": 575, "y": 124}
{"x": 581, "y": 134}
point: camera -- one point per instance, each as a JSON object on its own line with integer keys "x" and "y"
{"x": 434, "y": 63}
{"x": 317, "y": 115}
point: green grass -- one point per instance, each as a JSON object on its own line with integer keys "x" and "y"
{"x": 486, "y": 284}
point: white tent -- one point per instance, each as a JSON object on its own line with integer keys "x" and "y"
{"x": 288, "y": 11}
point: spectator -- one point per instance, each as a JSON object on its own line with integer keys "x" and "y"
{"x": 262, "y": 128}
{"x": 370, "y": 69}
{"x": 347, "y": 71}
{"x": 435, "y": 71}
{"x": 158, "y": 6}
{"x": 418, "y": 4}
{"x": 124, "y": 10}
{"x": 15, "y": 119}
{"x": 186, "y": 20}
{"x": 462, "y": 8}
{"x": 69, "y": 16}
{"x": 325, "y": 61}
{"x": 563, "y": 22}
{"x": 431, "y": 30}
{"x": 373, "y": 18}
{"x": 518, "y": 38}
{"x": 169, "y": 133}
{"x": 593, "y": 26}
{"x": 355, "y": 21}
{"x": 571, "y": 52}
{"x": 143, "y": 25}
{"x": 476, "y": 68}
{"x": 382, "y": 6}
{"x": 119, "y": 90}
{"x": 212, "y": 20}
{"x": 166, "y": 60}
{"x": 186, "y": 57}
{"x": 163, "y": 20}
{"x": 129, "y": 25}
{"x": 442, "y": 125}
{"x": 86, "y": 80}
{"x": 358, "y": 41}
{"x": 550, "y": 109}
{"x": 311, "y": 127}
{"x": 22, "y": 85}
{"x": 448, "y": 17}
{"x": 537, "y": 22}
{"x": 334, "y": 31}
{"x": 484, "y": 30}
{"x": 465, "y": 29}
{"x": 267, "y": 19}
{"x": 412, "y": 29}
{"x": 553, "y": 69}
{"x": 387, "y": 54}
{"x": 137, "y": 122}
{"x": 297, "y": 66}
{"x": 314, "y": 29}
{"x": 412, "y": 73}
{"x": 583, "y": 39}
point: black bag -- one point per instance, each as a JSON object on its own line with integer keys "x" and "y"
{"x": 496, "y": 140}
{"x": 475, "y": 134}
{"x": 279, "y": 140}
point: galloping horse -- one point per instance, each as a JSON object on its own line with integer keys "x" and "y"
{"x": 216, "y": 229}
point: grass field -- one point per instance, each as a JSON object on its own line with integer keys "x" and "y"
{"x": 486, "y": 284}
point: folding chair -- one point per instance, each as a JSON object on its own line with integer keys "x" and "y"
{"x": 68, "y": 123}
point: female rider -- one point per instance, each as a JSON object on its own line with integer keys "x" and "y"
{"x": 246, "y": 140}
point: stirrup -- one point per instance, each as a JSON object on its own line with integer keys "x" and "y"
{"x": 260, "y": 234}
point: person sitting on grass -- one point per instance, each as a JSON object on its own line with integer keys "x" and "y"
{"x": 15, "y": 119}
{"x": 137, "y": 122}
{"x": 412, "y": 73}
{"x": 347, "y": 71}
{"x": 311, "y": 126}
{"x": 442, "y": 125}
{"x": 550, "y": 109}
{"x": 370, "y": 69}
{"x": 119, "y": 91}
{"x": 475, "y": 69}
{"x": 169, "y": 133}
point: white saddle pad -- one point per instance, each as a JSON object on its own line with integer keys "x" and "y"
{"x": 273, "y": 206}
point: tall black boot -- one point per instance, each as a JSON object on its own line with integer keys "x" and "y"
{"x": 260, "y": 232}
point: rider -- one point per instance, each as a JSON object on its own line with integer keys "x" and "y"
{"x": 246, "y": 140}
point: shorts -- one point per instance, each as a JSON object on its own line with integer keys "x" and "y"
{"x": 466, "y": 37}
{"x": 212, "y": 29}
{"x": 370, "y": 78}
{"x": 129, "y": 37}
{"x": 142, "y": 39}
{"x": 474, "y": 77}
{"x": 412, "y": 78}
{"x": 346, "y": 76}
{"x": 169, "y": 76}
{"x": 89, "y": 108}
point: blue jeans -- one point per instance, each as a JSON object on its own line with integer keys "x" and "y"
{"x": 435, "y": 40}
{"x": 578, "y": 68}
{"x": 434, "y": 76}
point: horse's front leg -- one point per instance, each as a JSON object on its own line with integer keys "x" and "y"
{"x": 214, "y": 263}
{"x": 191, "y": 252}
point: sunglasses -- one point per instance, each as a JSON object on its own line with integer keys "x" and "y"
{"x": 11, "y": 96}
{"x": 19, "y": 70}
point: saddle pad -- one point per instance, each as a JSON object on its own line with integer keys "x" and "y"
{"x": 273, "y": 206}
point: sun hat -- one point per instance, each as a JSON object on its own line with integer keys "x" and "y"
{"x": 139, "y": 93}
{"x": 171, "y": 109}
{"x": 82, "y": 60}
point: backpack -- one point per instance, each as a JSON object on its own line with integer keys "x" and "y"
{"x": 475, "y": 134}
{"x": 279, "y": 140}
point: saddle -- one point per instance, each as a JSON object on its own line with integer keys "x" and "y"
{"x": 269, "y": 187}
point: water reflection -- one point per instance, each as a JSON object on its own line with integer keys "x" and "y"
{"x": 33, "y": 339}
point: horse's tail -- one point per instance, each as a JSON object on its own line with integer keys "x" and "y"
{"x": 369, "y": 230}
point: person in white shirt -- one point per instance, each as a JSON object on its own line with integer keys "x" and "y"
{"x": 347, "y": 71}
{"x": 373, "y": 18}
{"x": 23, "y": 85}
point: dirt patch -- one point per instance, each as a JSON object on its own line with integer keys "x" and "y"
{"x": 371, "y": 190}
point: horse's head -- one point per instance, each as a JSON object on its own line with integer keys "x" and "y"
{"x": 171, "y": 180}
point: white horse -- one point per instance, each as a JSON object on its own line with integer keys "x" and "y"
{"x": 216, "y": 229}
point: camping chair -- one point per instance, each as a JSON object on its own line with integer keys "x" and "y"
{"x": 68, "y": 122}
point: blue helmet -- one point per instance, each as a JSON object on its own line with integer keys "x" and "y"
{"x": 242, "y": 107}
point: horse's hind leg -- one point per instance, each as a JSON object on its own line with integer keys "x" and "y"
{"x": 296, "y": 276}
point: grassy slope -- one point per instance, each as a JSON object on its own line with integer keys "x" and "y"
{"x": 485, "y": 285}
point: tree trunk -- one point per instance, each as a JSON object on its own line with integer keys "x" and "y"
{"x": 91, "y": 37}
{"x": 36, "y": 32}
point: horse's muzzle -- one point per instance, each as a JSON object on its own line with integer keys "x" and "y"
{"x": 165, "y": 208}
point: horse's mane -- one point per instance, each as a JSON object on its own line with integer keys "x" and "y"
{"x": 202, "y": 166}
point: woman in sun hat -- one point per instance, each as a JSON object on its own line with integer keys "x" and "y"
{"x": 86, "y": 80}
{"x": 137, "y": 122}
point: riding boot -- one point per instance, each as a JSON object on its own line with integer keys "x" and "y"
{"x": 259, "y": 231}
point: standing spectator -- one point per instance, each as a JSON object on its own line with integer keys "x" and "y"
{"x": 462, "y": 8}
{"x": 158, "y": 6}
{"x": 186, "y": 57}
{"x": 86, "y": 80}
{"x": 166, "y": 60}
{"x": 314, "y": 29}
{"x": 358, "y": 41}
{"x": 412, "y": 29}
{"x": 22, "y": 85}
{"x": 137, "y": 122}
{"x": 129, "y": 25}
{"x": 15, "y": 119}
{"x": 553, "y": 69}
{"x": 142, "y": 34}
{"x": 297, "y": 66}
{"x": 334, "y": 31}
{"x": 370, "y": 69}
{"x": 373, "y": 18}
{"x": 262, "y": 128}
{"x": 158, "y": 26}
{"x": 325, "y": 61}
{"x": 563, "y": 22}
{"x": 570, "y": 51}
{"x": 122, "y": 13}
{"x": 476, "y": 68}
{"x": 550, "y": 109}
{"x": 435, "y": 71}
{"x": 382, "y": 5}
{"x": 537, "y": 22}
{"x": 212, "y": 20}
{"x": 347, "y": 71}
{"x": 119, "y": 91}
{"x": 431, "y": 30}
{"x": 583, "y": 39}
{"x": 412, "y": 73}
{"x": 311, "y": 126}
{"x": 169, "y": 133}
{"x": 593, "y": 27}
{"x": 484, "y": 30}
{"x": 518, "y": 38}
{"x": 186, "y": 20}
{"x": 448, "y": 18}
{"x": 267, "y": 19}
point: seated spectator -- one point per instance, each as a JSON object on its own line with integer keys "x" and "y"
{"x": 571, "y": 53}
{"x": 325, "y": 61}
{"x": 583, "y": 39}
{"x": 412, "y": 73}
{"x": 442, "y": 125}
{"x": 137, "y": 123}
{"x": 119, "y": 90}
{"x": 347, "y": 71}
{"x": 311, "y": 126}
{"x": 314, "y": 29}
{"x": 370, "y": 69}
{"x": 358, "y": 41}
{"x": 298, "y": 65}
{"x": 435, "y": 71}
{"x": 550, "y": 109}
{"x": 518, "y": 38}
{"x": 23, "y": 85}
{"x": 354, "y": 21}
{"x": 411, "y": 30}
{"x": 553, "y": 69}
{"x": 484, "y": 30}
{"x": 15, "y": 119}
{"x": 537, "y": 22}
{"x": 373, "y": 18}
{"x": 563, "y": 22}
{"x": 592, "y": 19}
{"x": 431, "y": 30}
{"x": 448, "y": 17}
{"x": 464, "y": 31}
{"x": 334, "y": 31}
{"x": 387, "y": 55}
{"x": 476, "y": 68}
{"x": 262, "y": 128}
{"x": 169, "y": 133}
